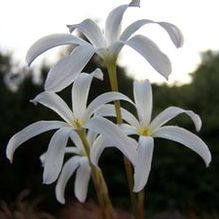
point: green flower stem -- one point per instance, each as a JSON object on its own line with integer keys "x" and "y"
{"x": 99, "y": 181}
{"x": 141, "y": 214}
{"x": 111, "y": 68}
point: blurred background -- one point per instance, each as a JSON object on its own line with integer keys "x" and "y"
{"x": 179, "y": 185}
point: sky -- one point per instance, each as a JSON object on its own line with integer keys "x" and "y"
{"x": 22, "y": 22}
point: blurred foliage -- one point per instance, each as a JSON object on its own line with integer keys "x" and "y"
{"x": 178, "y": 175}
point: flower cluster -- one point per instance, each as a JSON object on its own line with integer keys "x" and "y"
{"x": 87, "y": 126}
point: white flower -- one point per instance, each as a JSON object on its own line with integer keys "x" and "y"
{"x": 106, "y": 45}
{"x": 78, "y": 163}
{"x": 74, "y": 119}
{"x": 147, "y": 130}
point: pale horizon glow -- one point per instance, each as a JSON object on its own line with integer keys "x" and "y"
{"x": 23, "y": 22}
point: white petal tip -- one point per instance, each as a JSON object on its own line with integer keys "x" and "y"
{"x": 135, "y": 3}
{"x": 97, "y": 73}
{"x": 34, "y": 101}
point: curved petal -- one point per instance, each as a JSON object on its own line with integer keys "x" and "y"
{"x": 80, "y": 91}
{"x": 76, "y": 140}
{"x": 132, "y": 28}
{"x": 68, "y": 150}
{"x": 48, "y": 42}
{"x": 110, "y": 131}
{"x": 143, "y": 164}
{"x": 172, "y": 30}
{"x": 186, "y": 138}
{"x": 135, "y": 3}
{"x": 113, "y": 23}
{"x": 103, "y": 99}
{"x": 143, "y": 100}
{"x": 174, "y": 33}
{"x": 55, "y": 103}
{"x": 97, "y": 148}
{"x": 68, "y": 169}
{"x": 55, "y": 155}
{"x": 91, "y": 30}
{"x": 91, "y": 136}
{"x": 128, "y": 129}
{"x": 172, "y": 112}
{"x": 30, "y": 132}
{"x": 65, "y": 71}
{"x": 150, "y": 51}
{"x": 109, "y": 110}
{"x": 82, "y": 178}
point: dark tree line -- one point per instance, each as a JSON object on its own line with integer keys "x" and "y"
{"x": 178, "y": 175}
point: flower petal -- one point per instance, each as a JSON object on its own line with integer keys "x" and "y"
{"x": 103, "y": 99}
{"x": 55, "y": 155}
{"x": 143, "y": 101}
{"x": 82, "y": 179}
{"x": 68, "y": 169}
{"x": 173, "y": 31}
{"x": 150, "y": 51}
{"x": 77, "y": 141}
{"x": 55, "y": 103}
{"x": 128, "y": 129}
{"x": 135, "y": 3}
{"x": 109, "y": 110}
{"x": 110, "y": 131}
{"x": 132, "y": 28}
{"x": 80, "y": 91}
{"x": 97, "y": 148}
{"x": 48, "y": 42}
{"x": 186, "y": 138}
{"x": 113, "y": 23}
{"x": 65, "y": 71}
{"x": 30, "y": 132}
{"x": 172, "y": 112}
{"x": 143, "y": 164}
{"x": 91, "y": 30}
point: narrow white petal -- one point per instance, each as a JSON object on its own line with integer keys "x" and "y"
{"x": 96, "y": 150}
{"x": 103, "y": 99}
{"x": 143, "y": 101}
{"x": 68, "y": 150}
{"x": 91, "y": 136}
{"x": 150, "y": 51}
{"x": 135, "y": 3}
{"x": 30, "y": 132}
{"x": 172, "y": 112}
{"x": 186, "y": 138}
{"x": 113, "y": 23}
{"x": 68, "y": 169}
{"x": 143, "y": 164}
{"x": 128, "y": 129}
{"x": 112, "y": 132}
{"x": 55, "y": 103}
{"x": 82, "y": 178}
{"x": 77, "y": 140}
{"x": 174, "y": 33}
{"x": 49, "y": 42}
{"x": 65, "y": 71}
{"x": 109, "y": 110}
{"x": 172, "y": 30}
{"x": 91, "y": 30}
{"x": 80, "y": 91}
{"x": 55, "y": 155}
{"x": 132, "y": 28}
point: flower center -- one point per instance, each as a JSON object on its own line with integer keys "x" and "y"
{"x": 145, "y": 132}
{"x": 77, "y": 124}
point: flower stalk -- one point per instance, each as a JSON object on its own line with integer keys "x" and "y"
{"x": 111, "y": 68}
{"x": 98, "y": 180}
